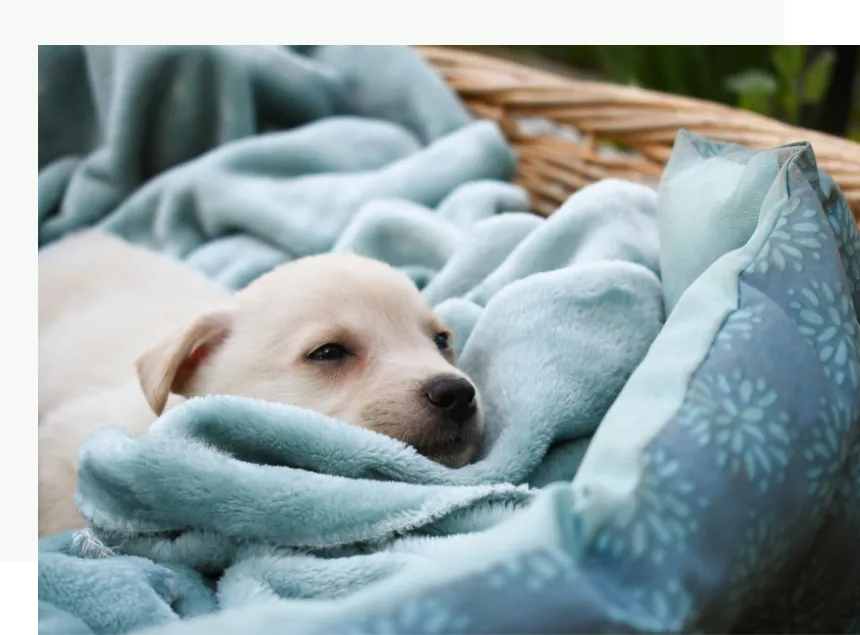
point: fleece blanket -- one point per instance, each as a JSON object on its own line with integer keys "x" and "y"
{"x": 671, "y": 380}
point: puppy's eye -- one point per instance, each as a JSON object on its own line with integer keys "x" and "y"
{"x": 328, "y": 353}
{"x": 441, "y": 340}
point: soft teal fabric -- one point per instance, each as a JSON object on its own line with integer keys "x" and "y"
{"x": 248, "y": 491}
{"x": 162, "y": 145}
{"x": 709, "y": 205}
{"x": 228, "y": 501}
{"x": 721, "y": 492}
{"x": 697, "y": 476}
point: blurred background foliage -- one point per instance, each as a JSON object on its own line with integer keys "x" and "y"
{"x": 811, "y": 86}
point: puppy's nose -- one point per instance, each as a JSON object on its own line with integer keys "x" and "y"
{"x": 453, "y": 395}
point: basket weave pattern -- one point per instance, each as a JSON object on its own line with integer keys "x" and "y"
{"x": 611, "y": 130}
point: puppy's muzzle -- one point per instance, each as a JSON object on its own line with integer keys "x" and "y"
{"x": 452, "y": 397}
{"x": 453, "y": 432}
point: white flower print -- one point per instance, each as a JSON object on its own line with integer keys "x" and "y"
{"x": 420, "y": 615}
{"x": 740, "y": 420}
{"x": 827, "y": 457}
{"x": 533, "y": 571}
{"x": 762, "y": 554}
{"x": 741, "y": 325}
{"x": 844, "y": 226}
{"x": 797, "y": 237}
{"x": 827, "y": 318}
{"x": 661, "y": 518}
{"x": 664, "y": 604}
{"x": 849, "y": 238}
{"x": 654, "y": 609}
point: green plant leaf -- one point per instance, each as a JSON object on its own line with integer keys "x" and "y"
{"x": 755, "y": 89}
{"x": 817, "y": 77}
{"x": 753, "y": 80}
{"x": 620, "y": 63}
{"x": 788, "y": 62}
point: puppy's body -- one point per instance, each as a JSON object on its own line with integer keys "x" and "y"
{"x": 102, "y": 302}
{"x": 125, "y": 333}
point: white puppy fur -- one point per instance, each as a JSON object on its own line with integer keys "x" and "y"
{"x": 125, "y": 333}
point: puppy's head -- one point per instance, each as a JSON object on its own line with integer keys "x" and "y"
{"x": 340, "y": 334}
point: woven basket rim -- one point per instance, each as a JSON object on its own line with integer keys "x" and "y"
{"x": 645, "y": 120}
{"x": 632, "y": 93}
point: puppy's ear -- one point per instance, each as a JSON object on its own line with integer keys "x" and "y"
{"x": 169, "y": 366}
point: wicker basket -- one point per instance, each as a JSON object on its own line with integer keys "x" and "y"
{"x": 601, "y": 130}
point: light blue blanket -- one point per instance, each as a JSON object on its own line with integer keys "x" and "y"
{"x": 719, "y": 432}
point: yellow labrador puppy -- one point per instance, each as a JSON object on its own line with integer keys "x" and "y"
{"x": 125, "y": 333}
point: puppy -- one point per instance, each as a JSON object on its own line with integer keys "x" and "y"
{"x": 125, "y": 333}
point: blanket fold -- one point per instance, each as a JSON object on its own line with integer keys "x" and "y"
{"x": 672, "y": 401}
{"x": 217, "y": 473}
